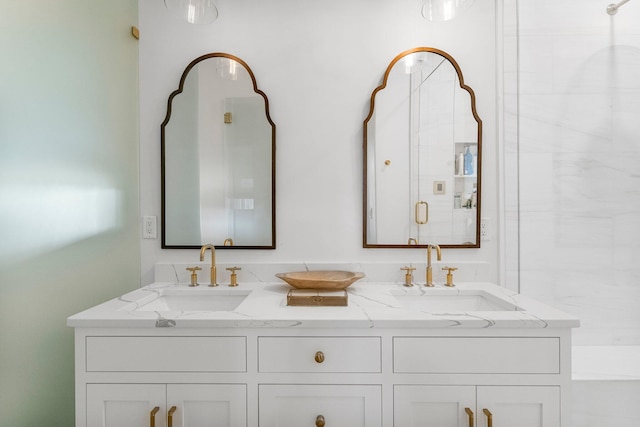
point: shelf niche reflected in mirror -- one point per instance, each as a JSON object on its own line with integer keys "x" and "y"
{"x": 422, "y": 156}
{"x": 218, "y": 159}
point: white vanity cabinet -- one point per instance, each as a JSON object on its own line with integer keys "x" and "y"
{"x": 501, "y": 371}
{"x": 166, "y": 405}
{"x": 132, "y": 378}
{"x": 373, "y": 363}
{"x": 282, "y": 377}
{"x": 483, "y": 406}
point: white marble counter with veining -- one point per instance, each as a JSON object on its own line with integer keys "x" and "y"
{"x": 370, "y": 305}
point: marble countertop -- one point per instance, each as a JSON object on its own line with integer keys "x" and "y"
{"x": 370, "y": 305}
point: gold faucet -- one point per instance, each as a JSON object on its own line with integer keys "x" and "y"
{"x": 214, "y": 281}
{"x": 429, "y": 269}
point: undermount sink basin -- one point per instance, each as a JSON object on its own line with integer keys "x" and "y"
{"x": 440, "y": 301}
{"x": 321, "y": 279}
{"x": 195, "y": 300}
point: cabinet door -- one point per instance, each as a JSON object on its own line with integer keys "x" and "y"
{"x": 125, "y": 405}
{"x": 200, "y": 405}
{"x": 433, "y": 406}
{"x": 522, "y": 406}
{"x": 320, "y": 405}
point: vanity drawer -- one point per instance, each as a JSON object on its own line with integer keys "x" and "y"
{"x": 473, "y": 355}
{"x": 166, "y": 354}
{"x": 319, "y": 405}
{"x": 319, "y": 354}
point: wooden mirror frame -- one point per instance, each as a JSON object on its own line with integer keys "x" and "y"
{"x": 448, "y": 57}
{"x": 273, "y": 154}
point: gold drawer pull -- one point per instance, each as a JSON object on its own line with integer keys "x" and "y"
{"x": 319, "y": 359}
{"x": 152, "y": 416}
{"x": 319, "y": 421}
{"x": 489, "y": 417}
{"x": 170, "y": 416}
{"x": 470, "y": 414}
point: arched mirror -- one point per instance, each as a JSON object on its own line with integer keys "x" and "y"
{"x": 422, "y": 156}
{"x": 218, "y": 159}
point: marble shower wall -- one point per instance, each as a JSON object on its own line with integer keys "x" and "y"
{"x": 578, "y": 162}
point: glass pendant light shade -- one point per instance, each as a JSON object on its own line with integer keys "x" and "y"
{"x": 227, "y": 68}
{"x": 194, "y": 11}
{"x": 444, "y": 10}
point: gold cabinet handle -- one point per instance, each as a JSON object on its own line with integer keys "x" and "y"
{"x": 489, "y": 417}
{"x": 319, "y": 358}
{"x": 170, "y": 416}
{"x": 470, "y": 414}
{"x": 319, "y": 421}
{"x": 152, "y": 416}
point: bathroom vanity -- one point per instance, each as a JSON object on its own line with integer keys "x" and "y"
{"x": 172, "y": 355}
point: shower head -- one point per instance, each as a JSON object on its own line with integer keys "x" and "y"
{"x": 612, "y": 9}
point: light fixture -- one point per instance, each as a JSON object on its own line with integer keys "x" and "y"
{"x": 227, "y": 68}
{"x": 408, "y": 64}
{"x": 194, "y": 11}
{"x": 444, "y": 10}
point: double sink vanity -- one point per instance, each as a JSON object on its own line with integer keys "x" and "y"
{"x": 170, "y": 354}
{"x": 378, "y": 354}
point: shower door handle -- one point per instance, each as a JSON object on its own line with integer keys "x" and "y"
{"x": 422, "y": 212}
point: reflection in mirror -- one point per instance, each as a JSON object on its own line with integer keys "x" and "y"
{"x": 422, "y": 152}
{"x": 218, "y": 159}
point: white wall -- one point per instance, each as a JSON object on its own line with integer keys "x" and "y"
{"x": 578, "y": 146}
{"x": 318, "y": 63}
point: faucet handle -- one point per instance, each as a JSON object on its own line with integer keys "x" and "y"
{"x": 194, "y": 275}
{"x": 450, "y": 275}
{"x": 234, "y": 276}
{"x": 408, "y": 277}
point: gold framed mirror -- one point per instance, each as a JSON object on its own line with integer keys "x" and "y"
{"x": 422, "y": 156}
{"x": 218, "y": 159}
